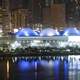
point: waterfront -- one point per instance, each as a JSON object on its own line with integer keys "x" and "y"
{"x": 58, "y": 68}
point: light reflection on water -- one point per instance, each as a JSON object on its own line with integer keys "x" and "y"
{"x": 24, "y": 70}
{"x": 40, "y": 69}
{"x": 54, "y": 69}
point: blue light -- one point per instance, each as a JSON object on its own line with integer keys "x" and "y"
{"x": 71, "y": 32}
{"x": 49, "y": 32}
{"x": 56, "y": 68}
{"x": 61, "y": 32}
{"x": 65, "y": 69}
{"x": 23, "y": 65}
{"x": 56, "y": 63}
{"x": 37, "y": 33}
{"x": 26, "y": 32}
{"x": 44, "y": 63}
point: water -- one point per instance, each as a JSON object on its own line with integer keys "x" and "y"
{"x": 58, "y": 68}
{"x": 3, "y": 69}
{"x": 74, "y": 67}
{"x": 42, "y": 70}
{"x": 66, "y": 68}
{"x": 23, "y": 69}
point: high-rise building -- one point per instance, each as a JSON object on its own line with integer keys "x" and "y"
{"x": 72, "y": 12}
{"x": 19, "y": 18}
{"x": 4, "y": 16}
{"x": 58, "y": 15}
{"x": 54, "y": 13}
{"x": 37, "y": 8}
{"x": 21, "y": 13}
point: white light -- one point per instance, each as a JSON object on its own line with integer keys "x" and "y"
{"x": 37, "y": 29}
{"x": 15, "y": 45}
{"x": 72, "y": 31}
{"x": 62, "y": 44}
{"x": 0, "y": 35}
{"x": 16, "y": 30}
{"x": 26, "y": 34}
{"x": 1, "y": 30}
{"x": 35, "y": 43}
{"x": 47, "y": 44}
{"x": 51, "y": 63}
{"x": 74, "y": 38}
{"x": 20, "y": 28}
{"x": 50, "y": 34}
{"x": 57, "y": 33}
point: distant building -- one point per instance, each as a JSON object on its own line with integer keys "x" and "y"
{"x": 54, "y": 13}
{"x": 19, "y": 13}
{"x": 58, "y": 15}
{"x": 5, "y": 16}
{"x": 19, "y": 18}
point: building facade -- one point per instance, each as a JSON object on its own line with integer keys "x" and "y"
{"x": 19, "y": 13}
{"x": 5, "y": 16}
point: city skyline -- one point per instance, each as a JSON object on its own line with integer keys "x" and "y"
{"x": 19, "y": 13}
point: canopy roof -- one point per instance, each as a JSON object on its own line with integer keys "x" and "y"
{"x": 49, "y": 32}
{"x": 26, "y": 32}
{"x": 71, "y": 31}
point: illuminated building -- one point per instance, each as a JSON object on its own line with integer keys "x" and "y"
{"x": 18, "y": 18}
{"x": 5, "y": 22}
{"x": 19, "y": 13}
{"x": 54, "y": 13}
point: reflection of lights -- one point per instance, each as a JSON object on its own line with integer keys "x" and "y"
{"x": 56, "y": 69}
{"x": 75, "y": 61}
{"x": 51, "y": 63}
{"x": 44, "y": 63}
{"x": 35, "y": 63}
{"x": 23, "y": 65}
{"x": 7, "y": 69}
{"x": 65, "y": 69}
{"x": 65, "y": 64}
{"x": 15, "y": 59}
{"x": 56, "y": 63}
